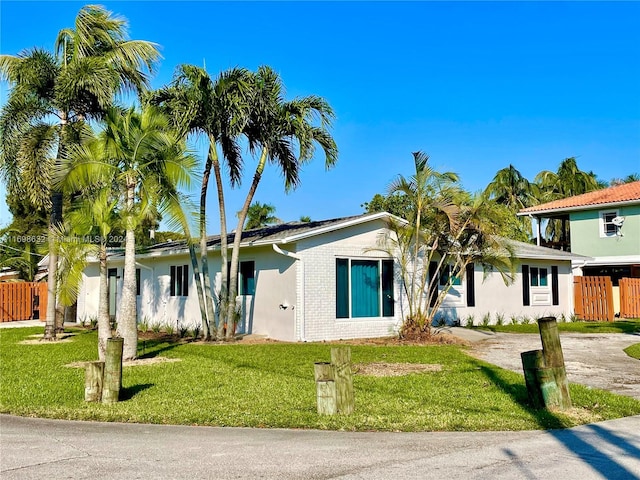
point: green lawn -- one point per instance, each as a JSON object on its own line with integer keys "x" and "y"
{"x": 621, "y": 326}
{"x": 272, "y": 385}
{"x": 633, "y": 350}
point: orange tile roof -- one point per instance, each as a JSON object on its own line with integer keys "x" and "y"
{"x": 625, "y": 193}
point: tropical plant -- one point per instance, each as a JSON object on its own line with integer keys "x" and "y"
{"x": 261, "y": 215}
{"x": 447, "y": 231}
{"x": 142, "y": 159}
{"x": 632, "y": 177}
{"x": 568, "y": 181}
{"x": 515, "y": 192}
{"x": 216, "y": 110}
{"x": 50, "y": 99}
{"x": 274, "y": 128}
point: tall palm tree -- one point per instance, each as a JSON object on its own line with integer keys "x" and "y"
{"x": 511, "y": 189}
{"x": 261, "y": 215}
{"x": 274, "y": 128}
{"x": 568, "y": 181}
{"x": 215, "y": 109}
{"x": 53, "y": 95}
{"x": 145, "y": 161}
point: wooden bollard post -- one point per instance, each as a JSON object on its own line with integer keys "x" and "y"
{"x": 532, "y": 361}
{"x": 325, "y": 388}
{"x": 341, "y": 360}
{"x": 554, "y": 359}
{"x": 93, "y": 376}
{"x": 112, "y": 370}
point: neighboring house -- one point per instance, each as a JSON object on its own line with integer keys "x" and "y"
{"x": 324, "y": 280}
{"x": 604, "y": 225}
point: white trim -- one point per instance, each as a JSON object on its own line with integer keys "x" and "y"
{"x": 602, "y": 224}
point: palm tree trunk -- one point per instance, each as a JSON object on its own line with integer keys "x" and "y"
{"x": 206, "y": 333}
{"x": 104, "y": 325}
{"x": 56, "y": 218}
{"x": 235, "y": 253}
{"x": 212, "y": 160}
{"x": 127, "y": 326}
{"x": 224, "y": 281}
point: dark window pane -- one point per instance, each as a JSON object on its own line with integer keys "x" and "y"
{"x": 342, "y": 288}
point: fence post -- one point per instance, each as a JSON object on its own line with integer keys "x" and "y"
{"x": 93, "y": 378}
{"x": 112, "y": 370}
{"x": 325, "y": 388}
{"x": 554, "y": 360}
{"x": 341, "y": 360}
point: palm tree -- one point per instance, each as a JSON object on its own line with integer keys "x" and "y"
{"x": 568, "y": 181}
{"x": 214, "y": 109}
{"x": 261, "y": 215}
{"x": 632, "y": 177}
{"x": 429, "y": 193}
{"x": 447, "y": 231}
{"x": 511, "y": 189}
{"x": 52, "y": 96}
{"x": 142, "y": 158}
{"x": 274, "y": 127}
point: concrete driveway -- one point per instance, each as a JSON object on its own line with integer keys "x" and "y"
{"x": 595, "y": 360}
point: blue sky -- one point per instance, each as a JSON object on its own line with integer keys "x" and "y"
{"x": 477, "y": 86}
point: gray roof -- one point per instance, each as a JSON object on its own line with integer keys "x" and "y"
{"x": 531, "y": 251}
{"x": 281, "y": 233}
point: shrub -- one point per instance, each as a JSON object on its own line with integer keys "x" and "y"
{"x": 486, "y": 319}
{"x": 468, "y": 322}
{"x": 499, "y": 318}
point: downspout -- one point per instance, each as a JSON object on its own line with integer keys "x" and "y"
{"x": 297, "y": 257}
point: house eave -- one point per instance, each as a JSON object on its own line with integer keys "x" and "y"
{"x": 597, "y": 206}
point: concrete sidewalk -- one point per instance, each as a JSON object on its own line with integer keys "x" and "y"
{"x": 22, "y": 323}
{"x": 36, "y": 448}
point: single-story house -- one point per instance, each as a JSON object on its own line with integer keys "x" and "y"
{"x": 324, "y": 280}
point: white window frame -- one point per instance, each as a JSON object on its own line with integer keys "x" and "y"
{"x": 603, "y": 224}
{"x": 379, "y": 261}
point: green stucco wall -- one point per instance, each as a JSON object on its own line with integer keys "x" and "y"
{"x": 586, "y": 236}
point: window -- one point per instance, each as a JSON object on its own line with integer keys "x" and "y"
{"x": 247, "y": 278}
{"x": 179, "y": 281}
{"x": 137, "y": 281}
{"x": 538, "y": 277}
{"x": 608, "y": 229}
{"x": 446, "y": 276}
{"x": 364, "y": 288}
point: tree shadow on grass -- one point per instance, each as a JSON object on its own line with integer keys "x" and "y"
{"x": 154, "y": 347}
{"x": 589, "y": 443}
{"x": 127, "y": 393}
{"x": 518, "y": 391}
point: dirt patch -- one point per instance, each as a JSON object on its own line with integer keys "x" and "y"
{"x": 435, "y": 339}
{"x": 132, "y": 363}
{"x": 381, "y": 369}
{"x": 39, "y": 340}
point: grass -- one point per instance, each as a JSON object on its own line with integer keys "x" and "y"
{"x": 272, "y": 385}
{"x": 633, "y": 350}
{"x": 621, "y": 326}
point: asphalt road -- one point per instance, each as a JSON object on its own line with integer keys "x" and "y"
{"x": 56, "y": 449}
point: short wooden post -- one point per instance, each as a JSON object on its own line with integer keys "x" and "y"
{"x": 325, "y": 388}
{"x": 112, "y": 370}
{"x": 93, "y": 376}
{"x": 554, "y": 358}
{"x": 532, "y": 361}
{"x": 341, "y": 360}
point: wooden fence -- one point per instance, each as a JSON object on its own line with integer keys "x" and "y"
{"x": 593, "y": 298}
{"x": 630, "y": 297}
{"x": 23, "y": 301}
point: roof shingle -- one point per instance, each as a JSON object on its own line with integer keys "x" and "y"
{"x": 627, "y": 192}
